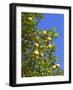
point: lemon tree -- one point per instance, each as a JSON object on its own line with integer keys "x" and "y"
{"x": 38, "y": 48}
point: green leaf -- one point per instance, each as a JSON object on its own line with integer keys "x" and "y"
{"x": 56, "y": 34}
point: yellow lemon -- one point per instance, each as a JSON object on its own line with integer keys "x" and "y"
{"x": 49, "y": 38}
{"x": 44, "y": 32}
{"x": 37, "y": 38}
{"x": 50, "y": 46}
{"x": 37, "y": 57}
{"x": 34, "y": 32}
{"x": 36, "y": 44}
{"x": 30, "y": 18}
{"x": 47, "y": 46}
{"x": 46, "y": 40}
{"x": 58, "y": 65}
{"x": 54, "y": 66}
{"x": 36, "y": 52}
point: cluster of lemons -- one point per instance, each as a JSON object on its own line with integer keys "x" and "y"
{"x": 48, "y": 39}
{"x": 36, "y": 53}
{"x": 30, "y": 20}
{"x": 56, "y": 66}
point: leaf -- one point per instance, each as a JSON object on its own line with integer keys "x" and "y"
{"x": 56, "y": 34}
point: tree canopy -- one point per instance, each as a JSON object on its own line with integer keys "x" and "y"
{"x": 38, "y": 48}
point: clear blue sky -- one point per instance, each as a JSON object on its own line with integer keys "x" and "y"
{"x": 49, "y": 22}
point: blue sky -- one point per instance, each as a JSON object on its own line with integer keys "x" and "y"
{"x": 51, "y": 21}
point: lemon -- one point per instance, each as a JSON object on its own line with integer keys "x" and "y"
{"x": 30, "y": 18}
{"x": 50, "y": 46}
{"x": 36, "y": 52}
{"x": 49, "y": 38}
{"x": 36, "y": 44}
{"x": 37, "y": 38}
{"x": 37, "y": 57}
{"x": 34, "y": 32}
{"x": 46, "y": 40}
{"x": 54, "y": 66}
{"x": 44, "y": 32}
{"x": 58, "y": 65}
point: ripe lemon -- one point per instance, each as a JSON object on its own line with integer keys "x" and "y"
{"x": 58, "y": 65}
{"x": 34, "y": 32}
{"x": 36, "y": 44}
{"x": 49, "y": 46}
{"x": 37, "y": 57}
{"x": 54, "y": 66}
{"x": 44, "y": 32}
{"x": 30, "y": 18}
{"x": 37, "y": 38}
{"x": 36, "y": 52}
{"x": 46, "y": 40}
{"x": 49, "y": 38}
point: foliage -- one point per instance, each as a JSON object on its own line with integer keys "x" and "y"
{"x": 38, "y": 48}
